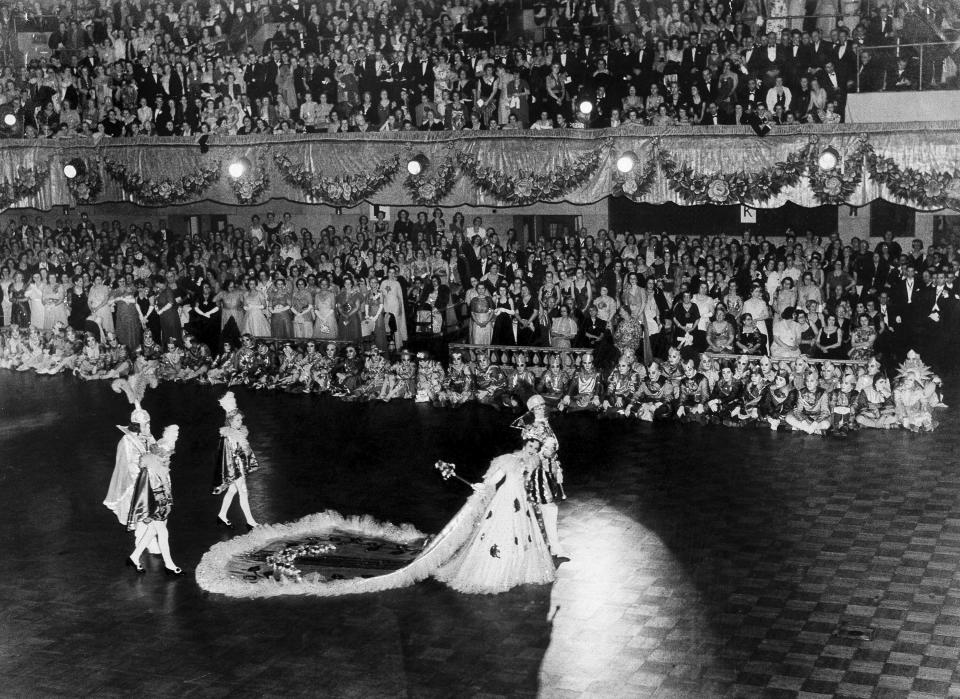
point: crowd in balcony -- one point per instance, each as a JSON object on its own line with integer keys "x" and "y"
{"x": 143, "y": 69}
{"x": 213, "y": 306}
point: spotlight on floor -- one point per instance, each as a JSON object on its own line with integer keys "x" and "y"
{"x": 586, "y": 107}
{"x": 74, "y": 168}
{"x": 626, "y": 161}
{"x": 828, "y": 159}
{"x": 238, "y": 168}
{"x": 418, "y": 164}
{"x": 10, "y": 120}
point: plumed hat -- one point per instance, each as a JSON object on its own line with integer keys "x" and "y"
{"x": 229, "y": 404}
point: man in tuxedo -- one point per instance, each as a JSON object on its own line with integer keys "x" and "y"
{"x": 365, "y": 68}
{"x": 836, "y": 88}
{"x": 694, "y": 57}
{"x": 713, "y": 117}
{"x": 939, "y": 308}
{"x": 905, "y": 300}
{"x": 881, "y": 28}
{"x": 568, "y": 62}
{"x": 845, "y": 59}
{"x": 870, "y": 77}
{"x": 820, "y": 52}
{"x": 750, "y": 93}
{"x": 797, "y": 60}
{"x": 901, "y": 77}
{"x": 402, "y": 76}
{"x": 424, "y": 80}
{"x": 751, "y": 57}
{"x": 771, "y": 61}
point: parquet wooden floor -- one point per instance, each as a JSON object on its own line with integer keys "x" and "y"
{"x": 705, "y": 561}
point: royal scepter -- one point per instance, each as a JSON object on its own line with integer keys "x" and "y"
{"x": 448, "y": 471}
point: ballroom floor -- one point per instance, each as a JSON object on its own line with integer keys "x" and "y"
{"x": 705, "y": 561}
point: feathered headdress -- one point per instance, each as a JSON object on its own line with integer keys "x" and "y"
{"x": 169, "y": 439}
{"x": 229, "y": 404}
{"x": 134, "y": 387}
{"x": 913, "y": 369}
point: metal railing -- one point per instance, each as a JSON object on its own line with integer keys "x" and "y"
{"x": 924, "y": 58}
{"x": 731, "y": 356}
{"x": 538, "y": 358}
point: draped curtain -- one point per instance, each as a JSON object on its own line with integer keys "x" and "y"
{"x": 930, "y": 148}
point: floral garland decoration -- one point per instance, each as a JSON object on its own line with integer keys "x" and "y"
{"x": 251, "y": 185}
{"x": 528, "y": 187}
{"x": 165, "y": 190}
{"x": 26, "y": 183}
{"x": 86, "y": 188}
{"x": 342, "y": 190}
{"x": 283, "y": 561}
{"x": 428, "y": 191}
{"x": 631, "y": 185}
{"x": 926, "y": 189}
{"x": 835, "y": 186}
{"x": 719, "y": 188}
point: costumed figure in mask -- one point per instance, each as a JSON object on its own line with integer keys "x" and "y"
{"x": 811, "y": 414}
{"x": 621, "y": 387}
{"x": 583, "y": 392}
{"x": 458, "y": 384}
{"x": 235, "y": 460}
{"x": 490, "y": 381}
{"x": 430, "y": 379}
{"x": 401, "y": 380}
{"x": 152, "y": 502}
{"x": 916, "y": 393}
{"x": 553, "y": 382}
{"x": 521, "y": 384}
{"x": 655, "y": 395}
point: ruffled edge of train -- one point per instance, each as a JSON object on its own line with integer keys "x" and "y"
{"x": 212, "y": 574}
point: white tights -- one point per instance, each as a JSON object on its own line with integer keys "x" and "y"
{"x": 152, "y": 545}
{"x": 238, "y": 487}
{"x": 155, "y": 531}
{"x": 549, "y": 513}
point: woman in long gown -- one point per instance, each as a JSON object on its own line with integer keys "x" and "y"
{"x": 505, "y": 546}
{"x": 348, "y": 312}
{"x": 505, "y": 314}
{"x": 101, "y": 309}
{"x": 56, "y": 312}
{"x": 79, "y": 308}
{"x": 281, "y": 317}
{"x": 374, "y": 324}
{"x": 34, "y": 295}
{"x": 324, "y": 311}
{"x": 301, "y": 303}
{"x": 231, "y": 305}
{"x": 20, "y": 308}
{"x": 205, "y": 318}
{"x": 129, "y": 325}
{"x": 254, "y": 308}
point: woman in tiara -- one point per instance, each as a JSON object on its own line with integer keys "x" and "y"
{"x": 235, "y": 459}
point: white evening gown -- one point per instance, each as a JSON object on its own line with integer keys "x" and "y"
{"x": 505, "y": 547}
